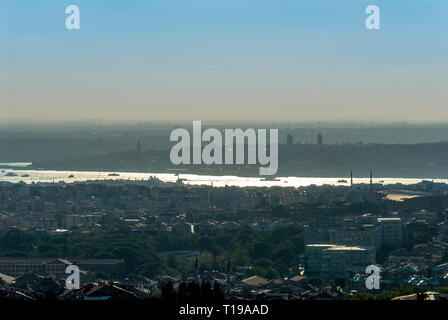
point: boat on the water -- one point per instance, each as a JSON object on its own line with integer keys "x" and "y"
{"x": 342, "y": 181}
{"x": 271, "y": 179}
{"x": 71, "y": 176}
{"x": 11, "y": 174}
{"x": 26, "y": 175}
{"x": 113, "y": 174}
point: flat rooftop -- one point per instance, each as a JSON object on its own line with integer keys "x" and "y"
{"x": 345, "y": 248}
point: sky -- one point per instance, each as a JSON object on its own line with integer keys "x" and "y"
{"x": 224, "y": 60}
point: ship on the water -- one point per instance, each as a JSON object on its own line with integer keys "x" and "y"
{"x": 11, "y": 174}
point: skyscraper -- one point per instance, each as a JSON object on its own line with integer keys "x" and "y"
{"x": 289, "y": 140}
{"x": 320, "y": 140}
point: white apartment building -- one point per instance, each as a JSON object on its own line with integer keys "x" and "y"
{"x": 328, "y": 260}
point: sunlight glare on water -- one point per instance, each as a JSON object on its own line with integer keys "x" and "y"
{"x": 49, "y": 176}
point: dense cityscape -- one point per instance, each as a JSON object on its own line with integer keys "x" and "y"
{"x": 154, "y": 240}
{"x": 223, "y": 159}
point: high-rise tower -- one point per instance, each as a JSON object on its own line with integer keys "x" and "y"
{"x": 320, "y": 140}
{"x": 289, "y": 140}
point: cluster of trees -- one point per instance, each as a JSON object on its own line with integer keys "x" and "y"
{"x": 413, "y": 237}
{"x": 269, "y": 254}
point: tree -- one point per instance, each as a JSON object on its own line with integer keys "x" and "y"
{"x": 206, "y": 291}
{"x": 167, "y": 291}
{"x": 218, "y": 295}
{"x": 182, "y": 292}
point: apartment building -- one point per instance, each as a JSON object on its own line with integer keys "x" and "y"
{"x": 330, "y": 260}
{"x": 17, "y": 265}
{"x": 389, "y": 232}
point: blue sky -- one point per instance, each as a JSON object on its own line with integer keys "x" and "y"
{"x": 224, "y": 60}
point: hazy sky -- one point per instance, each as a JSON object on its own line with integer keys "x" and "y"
{"x": 224, "y": 60}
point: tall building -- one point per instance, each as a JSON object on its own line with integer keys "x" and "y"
{"x": 389, "y": 232}
{"x": 328, "y": 260}
{"x": 349, "y": 233}
{"x": 289, "y": 140}
{"x": 313, "y": 258}
{"x": 19, "y": 265}
{"x": 338, "y": 261}
{"x": 320, "y": 140}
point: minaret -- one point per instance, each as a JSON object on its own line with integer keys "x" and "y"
{"x": 210, "y": 194}
{"x": 351, "y": 178}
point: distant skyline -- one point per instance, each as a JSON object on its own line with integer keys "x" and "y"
{"x": 224, "y": 60}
